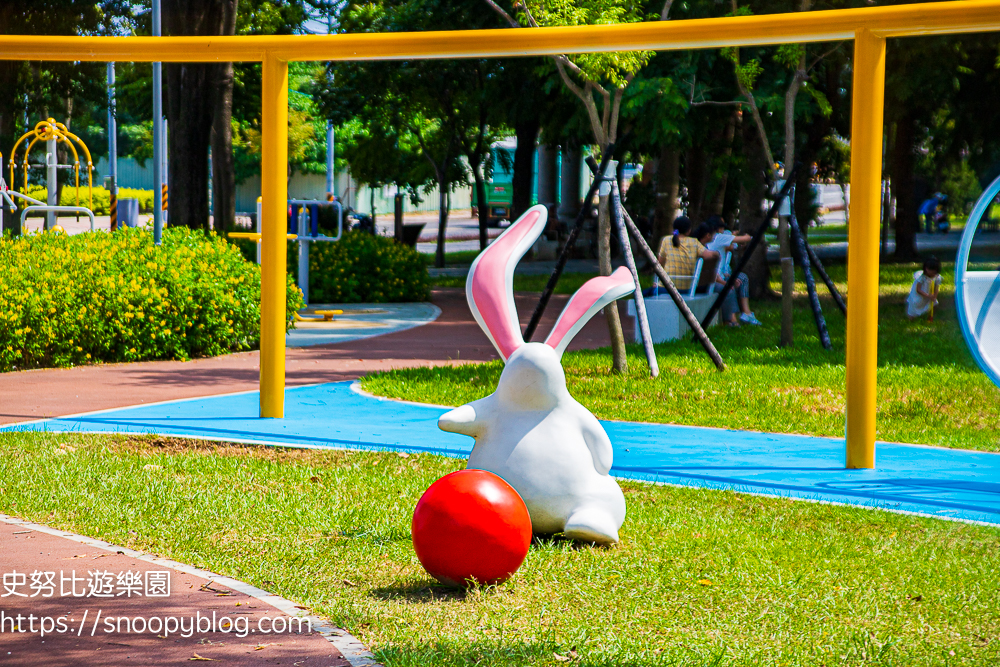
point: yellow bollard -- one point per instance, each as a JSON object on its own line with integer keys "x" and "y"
{"x": 273, "y": 250}
{"x": 863, "y": 244}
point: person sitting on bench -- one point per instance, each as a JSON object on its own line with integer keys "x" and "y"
{"x": 679, "y": 254}
{"x": 713, "y": 234}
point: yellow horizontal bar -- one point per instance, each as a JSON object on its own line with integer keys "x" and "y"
{"x": 936, "y": 18}
{"x": 255, "y": 236}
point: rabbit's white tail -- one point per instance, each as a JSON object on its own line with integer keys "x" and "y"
{"x": 490, "y": 285}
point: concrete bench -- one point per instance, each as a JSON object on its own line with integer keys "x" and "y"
{"x": 665, "y": 320}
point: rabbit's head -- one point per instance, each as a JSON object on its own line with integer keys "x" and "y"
{"x": 490, "y": 292}
{"x": 532, "y": 379}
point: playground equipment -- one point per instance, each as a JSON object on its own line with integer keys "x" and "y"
{"x": 530, "y": 431}
{"x": 303, "y": 226}
{"x": 977, "y": 286}
{"x": 470, "y": 526}
{"x": 53, "y": 133}
{"x": 868, "y": 27}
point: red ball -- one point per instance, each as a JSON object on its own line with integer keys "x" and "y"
{"x": 471, "y": 525}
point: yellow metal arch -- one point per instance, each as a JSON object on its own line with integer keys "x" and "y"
{"x": 869, "y": 28}
{"x": 46, "y": 130}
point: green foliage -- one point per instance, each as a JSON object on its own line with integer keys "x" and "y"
{"x": 613, "y": 66}
{"x": 362, "y": 268}
{"x": 748, "y": 72}
{"x": 656, "y": 108}
{"x": 101, "y": 197}
{"x": 961, "y": 185}
{"x": 67, "y": 300}
{"x": 789, "y": 55}
{"x": 381, "y": 152}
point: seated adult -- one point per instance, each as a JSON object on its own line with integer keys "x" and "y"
{"x": 679, "y": 254}
{"x": 738, "y": 298}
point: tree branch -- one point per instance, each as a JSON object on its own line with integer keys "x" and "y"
{"x": 615, "y": 108}
{"x": 527, "y": 13}
{"x": 584, "y": 95}
{"x": 499, "y": 10}
{"x": 605, "y": 111}
{"x": 665, "y": 12}
{"x": 824, "y": 55}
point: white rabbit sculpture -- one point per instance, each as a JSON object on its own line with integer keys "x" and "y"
{"x": 530, "y": 431}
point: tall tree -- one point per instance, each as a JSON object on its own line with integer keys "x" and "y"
{"x": 192, "y": 98}
{"x": 598, "y": 80}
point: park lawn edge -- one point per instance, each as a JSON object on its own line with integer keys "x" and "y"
{"x": 707, "y": 577}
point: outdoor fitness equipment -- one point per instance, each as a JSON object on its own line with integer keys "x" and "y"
{"x": 977, "y": 288}
{"x": 303, "y": 226}
{"x": 471, "y": 526}
{"x": 530, "y": 431}
{"x": 52, "y": 133}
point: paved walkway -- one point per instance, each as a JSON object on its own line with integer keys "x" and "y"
{"x": 452, "y": 338}
{"x": 934, "y": 481}
{"x": 70, "y": 600}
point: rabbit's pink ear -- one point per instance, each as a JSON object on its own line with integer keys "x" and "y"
{"x": 490, "y": 285}
{"x": 594, "y": 295}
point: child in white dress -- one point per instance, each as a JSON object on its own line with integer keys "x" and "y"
{"x": 923, "y": 292}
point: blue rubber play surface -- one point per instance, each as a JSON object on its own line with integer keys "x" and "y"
{"x": 947, "y": 483}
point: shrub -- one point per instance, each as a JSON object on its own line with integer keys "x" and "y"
{"x": 96, "y": 296}
{"x": 102, "y": 201}
{"x": 361, "y": 268}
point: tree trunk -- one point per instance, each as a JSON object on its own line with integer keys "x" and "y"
{"x": 524, "y": 167}
{"x": 901, "y": 166}
{"x": 753, "y": 192}
{"x": 189, "y": 114}
{"x": 191, "y": 100}
{"x": 223, "y": 163}
{"x": 442, "y": 219}
{"x": 805, "y": 205}
{"x": 668, "y": 177}
{"x": 787, "y": 285}
{"x": 696, "y": 175}
{"x": 718, "y": 202}
{"x": 483, "y": 209}
{"x": 785, "y": 249}
{"x": 619, "y": 361}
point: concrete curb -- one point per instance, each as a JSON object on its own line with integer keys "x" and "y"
{"x": 352, "y": 649}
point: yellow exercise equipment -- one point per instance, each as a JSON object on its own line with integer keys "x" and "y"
{"x": 48, "y": 130}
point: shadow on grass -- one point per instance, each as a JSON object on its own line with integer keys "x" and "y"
{"x": 421, "y": 591}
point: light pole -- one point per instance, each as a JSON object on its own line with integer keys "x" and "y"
{"x": 158, "y": 136}
{"x": 112, "y": 149}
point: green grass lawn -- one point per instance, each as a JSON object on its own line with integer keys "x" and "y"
{"x": 452, "y": 258}
{"x": 700, "y": 577}
{"x": 930, "y": 391}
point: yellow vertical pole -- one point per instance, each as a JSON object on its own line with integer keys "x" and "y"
{"x": 863, "y": 244}
{"x": 273, "y": 254}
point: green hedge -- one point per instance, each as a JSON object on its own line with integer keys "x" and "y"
{"x": 102, "y": 202}
{"x": 67, "y": 300}
{"x": 361, "y": 268}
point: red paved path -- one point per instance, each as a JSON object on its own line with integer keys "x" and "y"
{"x": 451, "y": 339}
{"x": 84, "y": 643}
